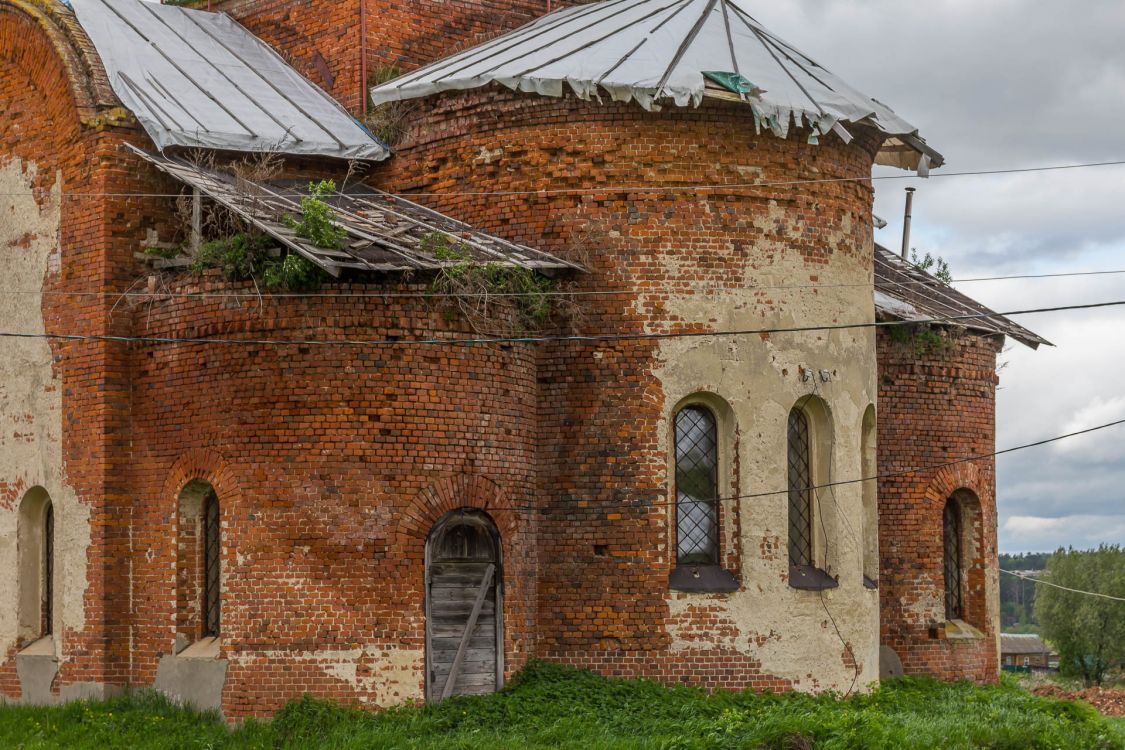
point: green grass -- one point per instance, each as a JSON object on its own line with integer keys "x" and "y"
{"x": 552, "y": 707}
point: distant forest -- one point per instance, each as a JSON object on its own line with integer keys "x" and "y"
{"x": 1017, "y": 597}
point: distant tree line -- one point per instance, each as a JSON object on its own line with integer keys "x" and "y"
{"x": 1088, "y": 632}
{"x": 1017, "y": 596}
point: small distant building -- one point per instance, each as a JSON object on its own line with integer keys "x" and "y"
{"x": 1017, "y": 650}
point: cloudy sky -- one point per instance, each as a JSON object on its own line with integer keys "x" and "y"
{"x": 997, "y": 84}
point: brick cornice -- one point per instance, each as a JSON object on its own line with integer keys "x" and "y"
{"x": 94, "y": 99}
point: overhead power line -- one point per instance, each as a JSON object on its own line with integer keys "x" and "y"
{"x": 1063, "y": 588}
{"x": 707, "y": 188}
{"x": 606, "y": 337}
{"x": 598, "y": 506}
{"x": 157, "y": 294}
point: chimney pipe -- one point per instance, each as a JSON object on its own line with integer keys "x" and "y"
{"x": 906, "y": 223}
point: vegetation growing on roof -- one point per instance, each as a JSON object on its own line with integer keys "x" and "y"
{"x": 495, "y": 298}
{"x": 924, "y": 338}
{"x": 247, "y": 256}
{"x": 935, "y": 265}
{"x": 318, "y": 223}
{"x": 385, "y": 121}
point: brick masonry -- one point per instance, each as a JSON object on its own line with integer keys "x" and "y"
{"x": 332, "y": 463}
{"x": 937, "y": 405}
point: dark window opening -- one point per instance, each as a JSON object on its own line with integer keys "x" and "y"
{"x": 211, "y": 555}
{"x": 800, "y": 491}
{"x": 951, "y": 533}
{"x": 48, "y": 609}
{"x": 697, "y": 487}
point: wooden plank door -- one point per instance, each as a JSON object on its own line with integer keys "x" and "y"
{"x": 463, "y": 612}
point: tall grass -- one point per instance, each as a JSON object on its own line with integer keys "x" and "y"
{"x": 552, "y": 707}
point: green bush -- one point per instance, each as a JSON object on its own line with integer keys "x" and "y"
{"x": 318, "y": 221}
{"x": 242, "y": 257}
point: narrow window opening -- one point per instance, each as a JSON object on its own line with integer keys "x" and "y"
{"x": 697, "y": 487}
{"x": 211, "y": 564}
{"x": 951, "y": 533}
{"x": 48, "y": 610}
{"x": 800, "y": 491}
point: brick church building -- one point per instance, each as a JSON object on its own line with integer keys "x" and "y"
{"x": 736, "y": 452}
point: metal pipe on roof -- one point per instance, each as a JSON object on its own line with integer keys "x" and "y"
{"x": 906, "y": 223}
{"x": 363, "y": 95}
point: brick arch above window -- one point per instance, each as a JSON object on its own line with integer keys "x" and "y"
{"x": 203, "y": 465}
{"x": 86, "y": 77}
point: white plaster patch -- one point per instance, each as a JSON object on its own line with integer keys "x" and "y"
{"x": 787, "y": 630}
{"x": 31, "y": 402}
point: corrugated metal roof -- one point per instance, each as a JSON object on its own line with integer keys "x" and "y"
{"x": 905, "y": 292}
{"x": 385, "y": 232}
{"x": 1013, "y": 643}
{"x": 199, "y": 79}
{"x": 670, "y": 51}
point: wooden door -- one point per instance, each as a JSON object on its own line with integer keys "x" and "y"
{"x": 464, "y": 613}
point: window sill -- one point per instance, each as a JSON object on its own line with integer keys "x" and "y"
{"x": 702, "y": 579}
{"x": 44, "y": 646}
{"x": 959, "y": 630}
{"x": 205, "y": 648}
{"x": 810, "y": 578}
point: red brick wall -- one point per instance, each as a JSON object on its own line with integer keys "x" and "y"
{"x": 402, "y": 33}
{"x": 602, "y": 450}
{"x": 936, "y": 404}
{"x": 56, "y": 113}
{"x": 331, "y": 464}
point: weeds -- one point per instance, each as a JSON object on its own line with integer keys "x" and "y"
{"x": 494, "y": 298}
{"x": 318, "y": 223}
{"x": 548, "y": 706}
{"x": 245, "y": 257}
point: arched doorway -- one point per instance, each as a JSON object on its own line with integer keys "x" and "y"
{"x": 464, "y": 606}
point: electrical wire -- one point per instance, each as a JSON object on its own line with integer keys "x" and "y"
{"x": 603, "y": 337}
{"x": 548, "y": 293}
{"x": 1063, "y": 588}
{"x": 838, "y": 482}
{"x": 639, "y": 188}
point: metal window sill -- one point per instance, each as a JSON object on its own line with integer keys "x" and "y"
{"x": 811, "y": 578}
{"x": 702, "y": 579}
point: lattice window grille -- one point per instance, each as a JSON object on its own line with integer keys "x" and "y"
{"x": 211, "y": 566}
{"x": 800, "y": 490}
{"x": 697, "y": 487}
{"x": 951, "y": 533}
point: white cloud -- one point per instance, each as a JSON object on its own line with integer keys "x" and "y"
{"x": 1001, "y": 84}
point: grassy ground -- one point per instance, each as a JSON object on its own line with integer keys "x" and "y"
{"x": 552, "y": 707}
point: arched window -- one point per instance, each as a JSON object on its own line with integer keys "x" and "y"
{"x": 198, "y": 563}
{"x": 800, "y": 490}
{"x": 211, "y": 574}
{"x": 697, "y": 486}
{"x": 36, "y": 552}
{"x": 869, "y": 467}
{"x": 952, "y": 560}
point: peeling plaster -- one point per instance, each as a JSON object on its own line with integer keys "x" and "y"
{"x": 787, "y": 630}
{"x": 31, "y": 452}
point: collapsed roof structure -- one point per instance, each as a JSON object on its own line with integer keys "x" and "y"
{"x": 199, "y": 79}
{"x": 905, "y": 292}
{"x": 671, "y": 51}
